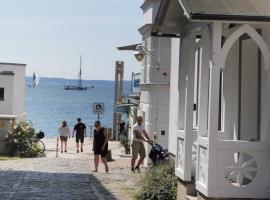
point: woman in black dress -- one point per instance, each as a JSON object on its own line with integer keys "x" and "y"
{"x": 100, "y": 146}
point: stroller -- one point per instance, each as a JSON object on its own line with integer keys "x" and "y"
{"x": 157, "y": 153}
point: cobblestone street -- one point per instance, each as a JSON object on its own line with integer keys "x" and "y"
{"x": 68, "y": 176}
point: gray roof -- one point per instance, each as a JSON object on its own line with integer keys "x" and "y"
{"x": 19, "y": 64}
{"x": 246, "y": 10}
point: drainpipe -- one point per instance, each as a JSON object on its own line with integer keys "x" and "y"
{"x": 156, "y": 101}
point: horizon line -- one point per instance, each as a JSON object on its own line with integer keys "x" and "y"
{"x": 27, "y": 76}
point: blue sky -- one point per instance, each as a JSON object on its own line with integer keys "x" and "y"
{"x": 50, "y": 35}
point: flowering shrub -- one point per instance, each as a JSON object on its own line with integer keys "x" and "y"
{"x": 20, "y": 140}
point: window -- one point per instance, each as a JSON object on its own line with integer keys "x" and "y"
{"x": 221, "y": 105}
{"x": 249, "y": 91}
{"x": 1, "y": 94}
{"x": 196, "y": 87}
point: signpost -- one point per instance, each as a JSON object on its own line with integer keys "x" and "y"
{"x": 98, "y": 108}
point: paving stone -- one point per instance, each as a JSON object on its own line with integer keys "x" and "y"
{"x": 68, "y": 176}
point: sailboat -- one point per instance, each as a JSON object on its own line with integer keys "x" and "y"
{"x": 79, "y": 86}
{"x": 35, "y": 80}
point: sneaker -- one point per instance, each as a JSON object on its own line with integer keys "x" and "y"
{"x": 66, "y": 151}
{"x": 137, "y": 168}
{"x": 133, "y": 170}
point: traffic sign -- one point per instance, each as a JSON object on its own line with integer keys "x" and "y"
{"x": 98, "y": 107}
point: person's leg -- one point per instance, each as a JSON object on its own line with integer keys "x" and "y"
{"x": 142, "y": 156}
{"x": 104, "y": 161}
{"x": 61, "y": 144}
{"x": 134, "y": 154}
{"x": 65, "y": 145}
{"x": 77, "y": 143}
{"x": 140, "y": 161}
{"x": 96, "y": 161}
{"x": 82, "y": 140}
{"x": 81, "y": 146}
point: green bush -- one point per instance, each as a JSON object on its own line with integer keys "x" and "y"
{"x": 20, "y": 141}
{"x": 159, "y": 183}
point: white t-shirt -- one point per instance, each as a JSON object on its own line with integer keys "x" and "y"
{"x": 140, "y": 129}
{"x": 63, "y": 131}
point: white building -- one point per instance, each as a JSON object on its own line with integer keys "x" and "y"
{"x": 156, "y": 117}
{"x": 12, "y": 83}
{"x": 220, "y": 64}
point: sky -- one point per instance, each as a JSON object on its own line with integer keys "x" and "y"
{"x": 50, "y": 35}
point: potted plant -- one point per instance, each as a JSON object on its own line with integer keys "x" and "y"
{"x": 125, "y": 143}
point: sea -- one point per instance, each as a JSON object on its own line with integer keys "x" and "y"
{"x": 48, "y": 104}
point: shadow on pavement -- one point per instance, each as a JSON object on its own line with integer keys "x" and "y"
{"x": 41, "y": 185}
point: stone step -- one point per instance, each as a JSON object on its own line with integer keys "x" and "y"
{"x": 188, "y": 197}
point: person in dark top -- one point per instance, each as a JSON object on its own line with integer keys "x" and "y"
{"x": 122, "y": 128}
{"x": 80, "y": 129}
{"x": 100, "y": 146}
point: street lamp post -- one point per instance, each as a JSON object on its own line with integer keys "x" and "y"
{"x": 139, "y": 55}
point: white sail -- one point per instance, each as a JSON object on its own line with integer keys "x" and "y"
{"x": 35, "y": 80}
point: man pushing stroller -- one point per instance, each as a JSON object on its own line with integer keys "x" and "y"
{"x": 138, "y": 137}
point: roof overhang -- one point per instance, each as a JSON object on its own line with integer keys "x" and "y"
{"x": 123, "y": 108}
{"x": 16, "y": 64}
{"x": 8, "y": 116}
{"x": 212, "y": 17}
{"x": 173, "y": 15}
{"x": 170, "y": 19}
{"x": 131, "y": 47}
{"x": 227, "y": 10}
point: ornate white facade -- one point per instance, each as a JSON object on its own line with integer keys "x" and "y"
{"x": 220, "y": 102}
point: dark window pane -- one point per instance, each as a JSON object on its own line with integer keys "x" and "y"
{"x": 1, "y": 93}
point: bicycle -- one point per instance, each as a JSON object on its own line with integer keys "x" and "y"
{"x": 37, "y": 140}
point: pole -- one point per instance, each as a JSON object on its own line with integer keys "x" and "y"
{"x": 156, "y": 103}
{"x": 57, "y": 141}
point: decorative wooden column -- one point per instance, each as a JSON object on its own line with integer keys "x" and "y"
{"x": 186, "y": 97}
{"x": 213, "y": 104}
